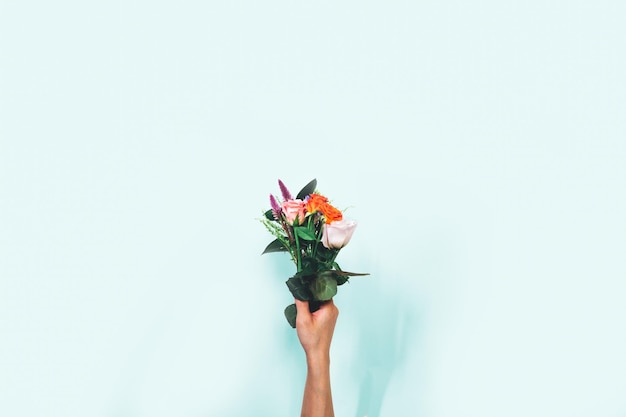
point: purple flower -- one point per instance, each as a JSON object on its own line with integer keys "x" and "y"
{"x": 284, "y": 191}
{"x": 276, "y": 209}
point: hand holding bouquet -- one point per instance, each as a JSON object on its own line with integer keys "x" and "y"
{"x": 313, "y": 232}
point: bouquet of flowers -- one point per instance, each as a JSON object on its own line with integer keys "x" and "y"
{"x": 313, "y": 232}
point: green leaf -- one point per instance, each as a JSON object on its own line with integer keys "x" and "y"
{"x": 326, "y": 255}
{"x": 269, "y": 215}
{"x": 309, "y": 267}
{"x": 308, "y": 189}
{"x": 298, "y": 288}
{"x": 275, "y": 246}
{"x": 350, "y": 274}
{"x": 341, "y": 279}
{"x": 304, "y": 233}
{"x": 291, "y": 311}
{"x": 290, "y": 315}
{"x": 324, "y": 287}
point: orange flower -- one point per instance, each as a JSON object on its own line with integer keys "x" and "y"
{"x": 331, "y": 213}
{"x": 314, "y": 202}
{"x": 317, "y": 202}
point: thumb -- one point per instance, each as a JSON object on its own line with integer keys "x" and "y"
{"x": 302, "y": 307}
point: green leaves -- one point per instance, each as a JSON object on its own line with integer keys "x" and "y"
{"x": 342, "y": 276}
{"x": 291, "y": 311}
{"x": 275, "y": 246}
{"x": 308, "y": 189}
{"x": 318, "y": 274}
{"x": 299, "y": 288}
{"x": 351, "y": 274}
{"x": 304, "y": 233}
{"x": 341, "y": 279}
{"x": 324, "y": 286}
{"x": 290, "y": 314}
{"x": 320, "y": 286}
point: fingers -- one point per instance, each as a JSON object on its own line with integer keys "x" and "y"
{"x": 327, "y": 309}
{"x": 302, "y": 310}
{"x": 328, "y": 312}
{"x": 301, "y": 306}
{"x": 333, "y": 308}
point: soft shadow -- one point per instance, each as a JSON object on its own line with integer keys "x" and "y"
{"x": 385, "y": 333}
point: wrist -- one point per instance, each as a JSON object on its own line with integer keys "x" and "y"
{"x": 318, "y": 360}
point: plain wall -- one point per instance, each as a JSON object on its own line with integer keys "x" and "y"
{"x": 480, "y": 146}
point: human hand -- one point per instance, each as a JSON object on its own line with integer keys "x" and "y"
{"x": 315, "y": 330}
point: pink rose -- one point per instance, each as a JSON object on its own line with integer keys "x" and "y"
{"x": 337, "y": 234}
{"x": 294, "y": 211}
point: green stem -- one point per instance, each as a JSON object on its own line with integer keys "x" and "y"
{"x": 295, "y": 235}
{"x": 318, "y": 239}
{"x": 314, "y": 247}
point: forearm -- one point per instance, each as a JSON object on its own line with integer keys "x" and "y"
{"x": 318, "y": 401}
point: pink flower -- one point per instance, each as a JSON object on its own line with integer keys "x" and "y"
{"x": 276, "y": 210}
{"x": 284, "y": 191}
{"x": 294, "y": 211}
{"x": 337, "y": 234}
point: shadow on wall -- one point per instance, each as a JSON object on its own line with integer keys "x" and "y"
{"x": 386, "y": 327}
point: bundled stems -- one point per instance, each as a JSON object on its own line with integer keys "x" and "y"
{"x": 306, "y": 231}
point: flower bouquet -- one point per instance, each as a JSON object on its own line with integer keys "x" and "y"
{"x": 313, "y": 232}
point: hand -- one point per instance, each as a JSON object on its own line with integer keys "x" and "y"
{"x": 315, "y": 330}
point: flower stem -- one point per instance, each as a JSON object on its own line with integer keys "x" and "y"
{"x": 313, "y": 247}
{"x": 318, "y": 238}
{"x": 299, "y": 265}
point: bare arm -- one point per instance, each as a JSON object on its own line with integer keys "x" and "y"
{"x": 315, "y": 332}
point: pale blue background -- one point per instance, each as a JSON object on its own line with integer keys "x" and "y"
{"x": 480, "y": 145}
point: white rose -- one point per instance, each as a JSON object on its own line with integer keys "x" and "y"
{"x": 337, "y": 234}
